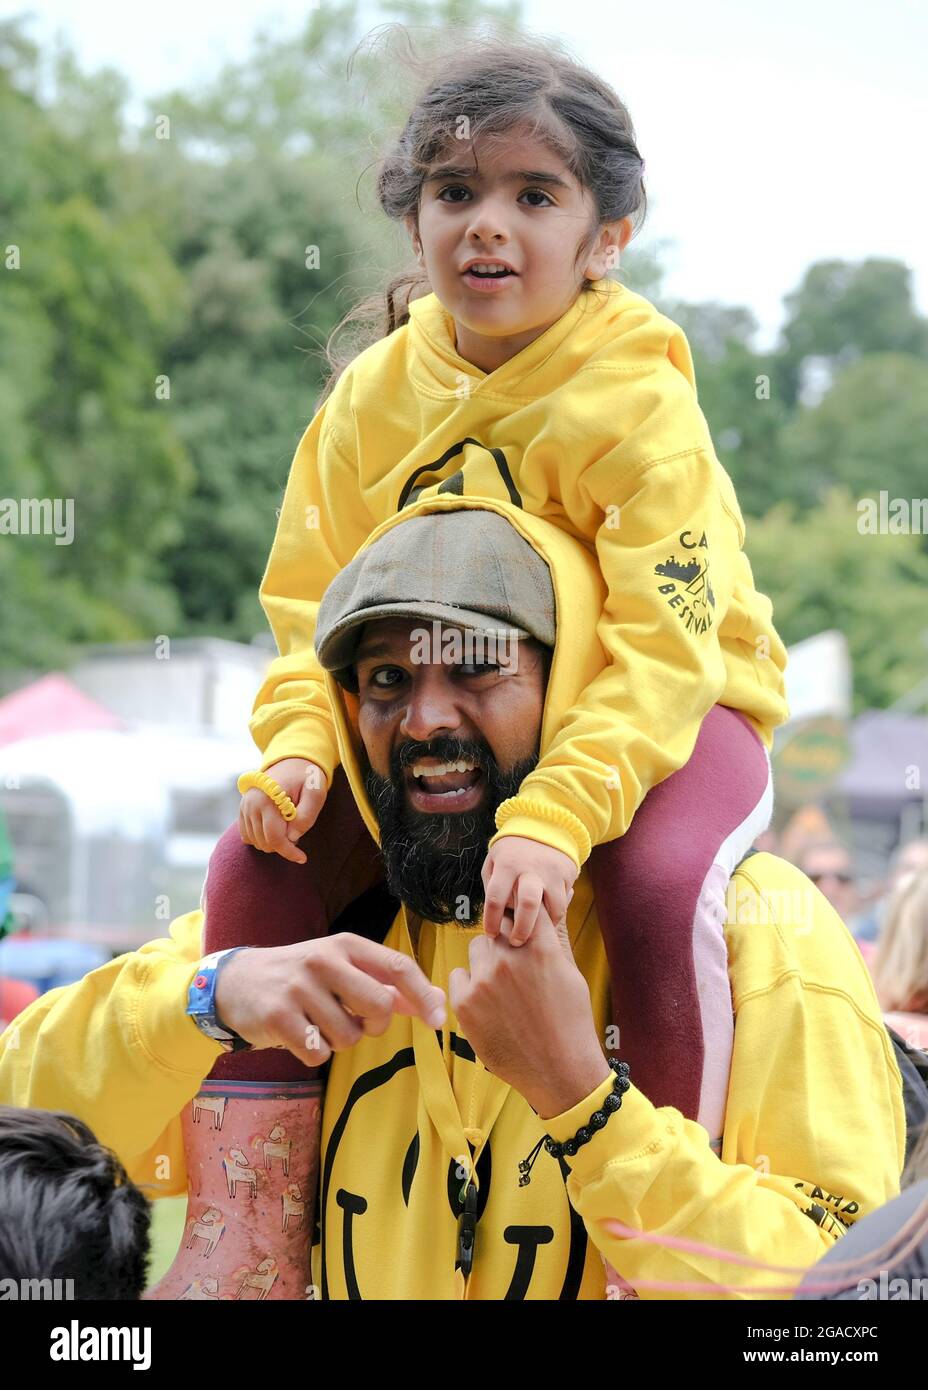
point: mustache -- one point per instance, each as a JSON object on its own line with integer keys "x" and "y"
{"x": 448, "y": 750}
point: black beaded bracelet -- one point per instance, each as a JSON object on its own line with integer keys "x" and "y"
{"x": 585, "y": 1133}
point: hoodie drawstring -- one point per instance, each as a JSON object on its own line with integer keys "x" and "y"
{"x": 526, "y": 1164}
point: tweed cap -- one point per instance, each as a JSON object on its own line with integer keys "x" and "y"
{"x": 468, "y": 567}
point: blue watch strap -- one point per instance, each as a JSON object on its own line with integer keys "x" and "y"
{"x": 201, "y": 1000}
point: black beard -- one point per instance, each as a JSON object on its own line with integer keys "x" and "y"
{"x": 433, "y": 860}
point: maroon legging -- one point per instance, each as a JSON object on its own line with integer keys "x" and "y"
{"x": 258, "y": 899}
{"x": 646, "y": 885}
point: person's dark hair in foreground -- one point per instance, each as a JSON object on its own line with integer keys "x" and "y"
{"x": 68, "y": 1209}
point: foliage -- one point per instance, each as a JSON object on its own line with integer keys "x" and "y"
{"x": 162, "y": 336}
{"x": 822, "y": 572}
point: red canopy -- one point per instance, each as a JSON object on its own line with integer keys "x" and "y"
{"x": 51, "y": 705}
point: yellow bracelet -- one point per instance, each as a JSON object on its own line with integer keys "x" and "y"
{"x": 271, "y": 788}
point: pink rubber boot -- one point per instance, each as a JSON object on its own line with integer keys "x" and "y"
{"x": 252, "y": 1170}
{"x": 251, "y": 1136}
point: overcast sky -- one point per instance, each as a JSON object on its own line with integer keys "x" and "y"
{"x": 775, "y": 135}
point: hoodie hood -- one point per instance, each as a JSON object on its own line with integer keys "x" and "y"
{"x": 606, "y": 320}
{"x": 577, "y": 656}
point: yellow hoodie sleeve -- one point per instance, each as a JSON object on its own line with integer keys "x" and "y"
{"x": 323, "y": 522}
{"x": 669, "y": 546}
{"x": 815, "y": 1082}
{"x": 117, "y": 1050}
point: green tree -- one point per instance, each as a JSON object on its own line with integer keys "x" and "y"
{"x": 822, "y": 573}
{"x": 869, "y": 432}
{"x": 89, "y": 298}
{"x": 842, "y": 311}
{"x": 273, "y": 158}
{"x": 745, "y": 413}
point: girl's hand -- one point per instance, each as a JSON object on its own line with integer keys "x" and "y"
{"x": 261, "y": 824}
{"x": 527, "y": 877}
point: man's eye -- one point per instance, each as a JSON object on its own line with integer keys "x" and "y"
{"x": 374, "y": 680}
{"x": 475, "y": 668}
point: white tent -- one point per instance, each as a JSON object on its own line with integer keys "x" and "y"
{"x": 122, "y": 782}
{"x": 108, "y": 827}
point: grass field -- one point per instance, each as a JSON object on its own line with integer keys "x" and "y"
{"x": 167, "y": 1227}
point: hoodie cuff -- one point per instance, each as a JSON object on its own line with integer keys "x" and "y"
{"x": 628, "y": 1130}
{"x": 554, "y": 825}
{"x": 166, "y": 1031}
{"x": 307, "y": 737}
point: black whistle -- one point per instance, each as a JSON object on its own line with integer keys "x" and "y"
{"x": 467, "y": 1229}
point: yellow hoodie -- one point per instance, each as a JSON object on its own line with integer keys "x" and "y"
{"x": 596, "y": 427}
{"x": 814, "y": 1133}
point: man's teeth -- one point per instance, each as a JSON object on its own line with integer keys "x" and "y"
{"x": 439, "y": 770}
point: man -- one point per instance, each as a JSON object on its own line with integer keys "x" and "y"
{"x": 830, "y": 867}
{"x": 454, "y": 1053}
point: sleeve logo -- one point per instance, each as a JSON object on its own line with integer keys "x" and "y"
{"x": 688, "y": 589}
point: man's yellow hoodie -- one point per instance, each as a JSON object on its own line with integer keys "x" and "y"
{"x": 596, "y": 427}
{"x": 414, "y": 1126}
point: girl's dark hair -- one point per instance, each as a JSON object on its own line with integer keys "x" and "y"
{"x": 498, "y": 83}
{"x": 68, "y": 1209}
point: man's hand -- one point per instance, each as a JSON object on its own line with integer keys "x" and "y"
{"x": 525, "y": 876}
{"x": 261, "y": 824}
{"x": 526, "y": 1012}
{"x": 319, "y": 997}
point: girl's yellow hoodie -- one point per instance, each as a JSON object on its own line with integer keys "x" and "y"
{"x": 596, "y": 427}
{"x": 814, "y": 1133}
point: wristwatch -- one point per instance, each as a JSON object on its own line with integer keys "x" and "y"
{"x": 201, "y": 1001}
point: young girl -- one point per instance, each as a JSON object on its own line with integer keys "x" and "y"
{"x": 556, "y": 387}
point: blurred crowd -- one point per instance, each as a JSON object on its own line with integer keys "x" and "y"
{"x": 888, "y": 920}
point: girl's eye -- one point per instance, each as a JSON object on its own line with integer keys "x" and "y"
{"x": 542, "y": 194}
